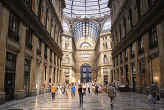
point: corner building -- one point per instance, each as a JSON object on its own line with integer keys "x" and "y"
{"x": 30, "y": 47}
{"x": 137, "y": 43}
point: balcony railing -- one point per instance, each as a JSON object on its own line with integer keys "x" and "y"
{"x": 12, "y": 35}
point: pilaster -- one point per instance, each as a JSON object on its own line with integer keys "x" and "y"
{"x": 124, "y": 69}
{"x": 19, "y": 77}
{"x": 146, "y": 53}
{"x": 4, "y": 20}
{"x": 52, "y": 79}
{"x": 129, "y": 67}
{"x": 41, "y": 80}
{"x": 160, "y": 34}
{"x": 48, "y": 71}
{"x": 33, "y": 70}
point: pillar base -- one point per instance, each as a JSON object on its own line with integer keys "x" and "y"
{"x": 162, "y": 93}
{"x": 20, "y": 95}
{"x": 33, "y": 92}
{"x": 41, "y": 91}
{"x": 2, "y": 98}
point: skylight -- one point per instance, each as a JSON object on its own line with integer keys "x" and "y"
{"x": 88, "y": 8}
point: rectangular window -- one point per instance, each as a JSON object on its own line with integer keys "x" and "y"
{"x": 153, "y": 40}
{"x": 28, "y": 39}
{"x": 66, "y": 70}
{"x": 13, "y": 27}
{"x": 45, "y": 52}
{"x": 39, "y": 47}
{"x": 140, "y": 46}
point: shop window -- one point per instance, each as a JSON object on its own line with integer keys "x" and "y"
{"x": 13, "y": 27}
{"x": 121, "y": 58}
{"x": 55, "y": 58}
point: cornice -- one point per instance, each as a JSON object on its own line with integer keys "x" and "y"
{"x": 30, "y": 19}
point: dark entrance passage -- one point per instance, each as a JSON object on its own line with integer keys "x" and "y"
{"x": 10, "y": 70}
{"x": 85, "y": 71}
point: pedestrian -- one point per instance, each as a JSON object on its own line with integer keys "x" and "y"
{"x": 53, "y": 91}
{"x": 66, "y": 91}
{"x": 80, "y": 93}
{"x": 96, "y": 89}
{"x": 154, "y": 89}
{"x": 59, "y": 91}
{"x": 89, "y": 88}
{"x": 84, "y": 89}
{"x": 111, "y": 94}
{"x": 73, "y": 90}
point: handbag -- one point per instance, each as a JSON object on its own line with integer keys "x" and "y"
{"x": 158, "y": 98}
{"x": 150, "y": 97}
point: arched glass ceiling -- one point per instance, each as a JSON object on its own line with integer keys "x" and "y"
{"x": 86, "y": 29}
{"x": 88, "y": 8}
{"x": 107, "y": 25}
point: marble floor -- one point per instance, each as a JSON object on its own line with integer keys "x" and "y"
{"x": 123, "y": 101}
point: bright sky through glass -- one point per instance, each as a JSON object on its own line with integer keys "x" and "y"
{"x": 90, "y": 8}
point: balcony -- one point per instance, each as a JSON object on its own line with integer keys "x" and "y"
{"x": 38, "y": 51}
{"x": 12, "y": 35}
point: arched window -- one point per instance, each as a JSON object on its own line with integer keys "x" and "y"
{"x": 105, "y": 59}
{"x": 85, "y": 45}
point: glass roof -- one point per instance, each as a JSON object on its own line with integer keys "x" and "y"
{"x": 88, "y": 8}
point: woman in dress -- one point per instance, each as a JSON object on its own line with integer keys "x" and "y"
{"x": 59, "y": 91}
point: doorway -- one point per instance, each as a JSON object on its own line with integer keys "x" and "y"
{"x": 85, "y": 71}
{"x": 10, "y": 71}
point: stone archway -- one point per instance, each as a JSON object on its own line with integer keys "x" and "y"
{"x": 85, "y": 73}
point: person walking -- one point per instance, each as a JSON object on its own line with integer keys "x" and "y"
{"x": 89, "y": 88}
{"x": 96, "y": 89}
{"x": 53, "y": 91}
{"x": 59, "y": 91}
{"x": 80, "y": 93}
{"x": 154, "y": 89}
{"x": 73, "y": 90}
{"x": 111, "y": 94}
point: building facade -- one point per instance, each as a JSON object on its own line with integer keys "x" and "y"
{"x": 137, "y": 43}
{"x": 30, "y": 47}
